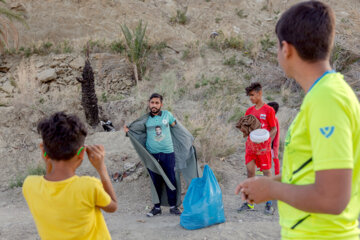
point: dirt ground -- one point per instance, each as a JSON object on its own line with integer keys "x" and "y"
{"x": 130, "y": 222}
{"x": 187, "y": 78}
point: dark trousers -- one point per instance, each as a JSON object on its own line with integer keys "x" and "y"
{"x": 167, "y": 162}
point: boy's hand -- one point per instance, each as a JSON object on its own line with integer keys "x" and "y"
{"x": 255, "y": 189}
{"x": 96, "y": 154}
{"x": 126, "y": 129}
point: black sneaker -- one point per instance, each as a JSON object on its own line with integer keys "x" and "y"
{"x": 246, "y": 207}
{"x": 155, "y": 211}
{"x": 269, "y": 210}
{"x": 175, "y": 211}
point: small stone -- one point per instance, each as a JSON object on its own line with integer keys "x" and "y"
{"x": 8, "y": 87}
{"x": 47, "y": 75}
{"x": 59, "y": 71}
{"x": 4, "y": 68}
{"x": 54, "y": 64}
{"x": 60, "y": 57}
{"x": 39, "y": 64}
{"x": 128, "y": 82}
{"x": 246, "y": 61}
{"x": 130, "y": 166}
{"x": 44, "y": 88}
{"x": 77, "y": 63}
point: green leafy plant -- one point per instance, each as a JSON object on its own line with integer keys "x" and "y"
{"x": 19, "y": 178}
{"x": 230, "y": 61}
{"x": 66, "y": 47}
{"x": 117, "y": 47}
{"x": 341, "y": 58}
{"x": 180, "y": 17}
{"x": 221, "y": 43}
{"x": 218, "y": 19}
{"x": 136, "y": 48}
{"x": 266, "y": 43}
{"x": 104, "y": 97}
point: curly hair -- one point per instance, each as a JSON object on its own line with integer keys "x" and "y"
{"x": 253, "y": 87}
{"x": 62, "y": 135}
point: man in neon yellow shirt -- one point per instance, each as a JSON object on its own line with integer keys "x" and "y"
{"x": 64, "y": 205}
{"x": 319, "y": 190}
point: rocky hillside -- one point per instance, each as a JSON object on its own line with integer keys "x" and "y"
{"x": 202, "y": 54}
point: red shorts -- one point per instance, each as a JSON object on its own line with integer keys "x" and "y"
{"x": 262, "y": 161}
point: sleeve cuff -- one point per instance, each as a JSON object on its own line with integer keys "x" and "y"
{"x": 334, "y": 164}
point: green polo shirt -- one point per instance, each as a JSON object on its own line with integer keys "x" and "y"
{"x": 324, "y": 135}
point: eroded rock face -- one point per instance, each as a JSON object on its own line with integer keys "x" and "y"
{"x": 47, "y": 75}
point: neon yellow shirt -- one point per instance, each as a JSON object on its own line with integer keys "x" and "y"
{"x": 67, "y": 209}
{"x": 324, "y": 135}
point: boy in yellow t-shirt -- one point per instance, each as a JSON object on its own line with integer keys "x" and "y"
{"x": 319, "y": 189}
{"x": 64, "y": 205}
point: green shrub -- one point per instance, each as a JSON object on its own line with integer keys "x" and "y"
{"x": 19, "y": 178}
{"x": 221, "y": 43}
{"x": 180, "y": 17}
{"x": 117, "y": 47}
{"x": 66, "y": 47}
{"x": 266, "y": 43}
{"x": 238, "y": 113}
{"x": 230, "y": 61}
{"x": 136, "y": 48}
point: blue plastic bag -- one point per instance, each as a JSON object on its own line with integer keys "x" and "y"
{"x": 203, "y": 204}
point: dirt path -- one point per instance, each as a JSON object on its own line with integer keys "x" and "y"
{"x": 130, "y": 222}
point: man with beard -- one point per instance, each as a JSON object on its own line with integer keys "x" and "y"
{"x": 162, "y": 149}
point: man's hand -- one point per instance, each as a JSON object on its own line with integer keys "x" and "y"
{"x": 96, "y": 154}
{"x": 126, "y": 129}
{"x": 255, "y": 189}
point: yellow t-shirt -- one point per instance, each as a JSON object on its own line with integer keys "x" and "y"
{"x": 324, "y": 135}
{"x": 67, "y": 209}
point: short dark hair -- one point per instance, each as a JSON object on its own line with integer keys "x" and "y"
{"x": 62, "y": 135}
{"x": 253, "y": 87}
{"x": 274, "y": 105}
{"x": 156, "y": 95}
{"x": 157, "y": 127}
{"x": 310, "y": 28}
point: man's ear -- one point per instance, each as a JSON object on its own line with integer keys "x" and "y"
{"x": 286, "y": 49}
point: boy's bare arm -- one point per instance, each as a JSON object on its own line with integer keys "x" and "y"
{"x": 273, "y": 131}
{"x": 96, "y": 154}
{"x": 330, "y": 193}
